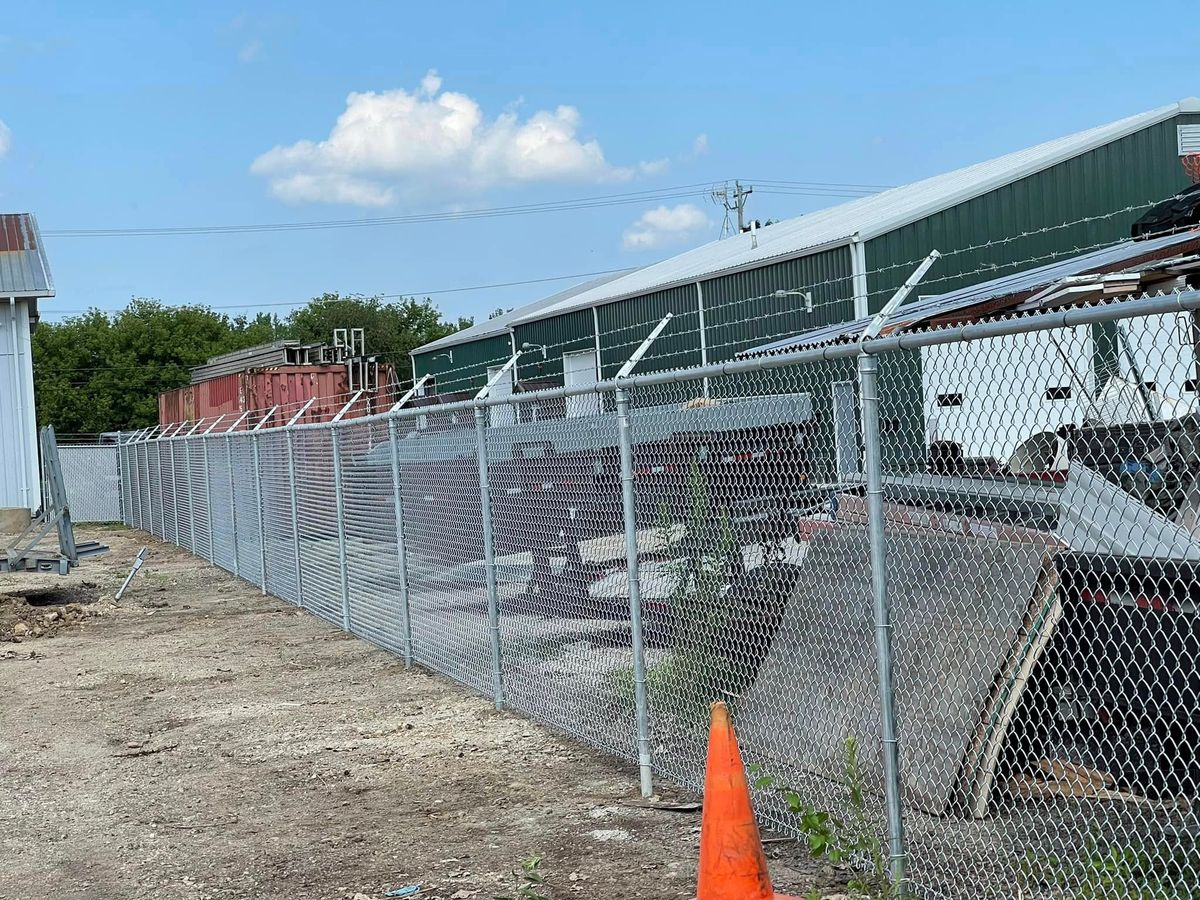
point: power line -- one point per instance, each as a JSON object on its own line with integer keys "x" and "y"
{"x": 454, "y": 290}
{"x": 688, "y": 190}
{"x": 824, "y": 184}
{"x": 699, "y": 189}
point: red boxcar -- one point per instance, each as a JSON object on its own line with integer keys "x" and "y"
{"x": 287, "y": 387}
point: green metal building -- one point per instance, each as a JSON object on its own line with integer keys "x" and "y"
{"x": 1015, "y": 212}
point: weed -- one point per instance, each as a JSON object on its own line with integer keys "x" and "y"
{"x": 529, "y": 882}
{"x": 1116, "y": 872}
{"x": 851, "y": 840}
{"x": 697, "y": 672}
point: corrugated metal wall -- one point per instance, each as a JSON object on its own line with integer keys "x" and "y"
{"x": 1137, "y": 170}
{"x": 625, "y": 324}
{"x": 569, "y": 333}
{"x": 1140, "y": 169}
{"x": 468, "y": 370}
{"x": 742, "y": 310}
{"x": 19, "y": 471}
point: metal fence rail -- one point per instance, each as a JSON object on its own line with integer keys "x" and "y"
{"x": 948, "y": 581}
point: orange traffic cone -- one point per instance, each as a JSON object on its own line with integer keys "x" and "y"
{"x": 732, "y": 863}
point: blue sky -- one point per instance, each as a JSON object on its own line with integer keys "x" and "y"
{"x": 123, "y": 115}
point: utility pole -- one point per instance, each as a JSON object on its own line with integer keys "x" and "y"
{"x": 735, "y": 203}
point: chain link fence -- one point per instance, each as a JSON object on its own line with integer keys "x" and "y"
{"x": 93, "y": 481}
{"x": 947, "y": 581}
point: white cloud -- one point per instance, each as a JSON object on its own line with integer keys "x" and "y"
{"x": 665, "y": 225}
{"x": 5, "y": 139}
{"x": 250, "y": 50}
{"x": 700, "y": 145}
{"x": 396, "y": 143}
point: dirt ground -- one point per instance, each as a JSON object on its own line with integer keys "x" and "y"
{"x": 199, "y": 740}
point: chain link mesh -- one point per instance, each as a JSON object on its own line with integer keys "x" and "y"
{"x": 277, "y": 515}
{"x": 1042, "y": 570}
{"x": 92, "y": 474}
{"x": 447, "y": 573}
{"x": 1026, "y": 573}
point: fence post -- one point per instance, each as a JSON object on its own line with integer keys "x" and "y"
{"x": 150, "y": 487}
{"x": 191, "y": 494}
{"x": 130, "y": 467}
{"x": 291, "y": 447}
{"x": 174, "y": 496}
{"x": 262, "y": 515}
{"x": 629, "y": 514}
{"x": 162, "y": 504}
{"x": 143, "y": 497}
{"x": 208, "y": 497}
{"x": 237, "y": 566}
{"x": 126, "y": 497}
{"x": 489, "y": 556}
{"x": 401, "y": 552}
{"x": 339, "y": 506}
{"x": 868, "y": 383}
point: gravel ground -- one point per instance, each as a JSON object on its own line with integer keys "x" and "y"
{"x": 199, "y": 740}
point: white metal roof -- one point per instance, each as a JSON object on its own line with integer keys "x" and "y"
{"x": 866, "y": 217}
{"x": 502, "y": 324}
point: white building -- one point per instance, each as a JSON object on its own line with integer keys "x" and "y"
{"x": 24, "y": 280}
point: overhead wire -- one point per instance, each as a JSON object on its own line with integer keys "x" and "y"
{"x": 836, "y": 283}
{"x": 402, "y": 295}
{"x": 697, "y": 189}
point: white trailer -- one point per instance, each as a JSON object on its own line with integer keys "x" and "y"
{"x": 990, "y": 396}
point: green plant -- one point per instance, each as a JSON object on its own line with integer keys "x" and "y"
{"x": 697, "y": 672}
{"x": 529, "y": 882}
{"x": 1116, "y": 872}
{"x": 851, "y": 840}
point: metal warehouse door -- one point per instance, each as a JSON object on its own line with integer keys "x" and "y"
{"x": 580, "y": 369}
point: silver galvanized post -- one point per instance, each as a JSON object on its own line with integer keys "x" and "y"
{"x": 127, "y": 484}
{"x": 143, "y": 495}
{"x": 262, "y": 515}
{"x": 191, "y": 495}
{"x": 149, "y": 494}
{"x": 212, "y": 549}
{"x": 174, "y": 496}
{"x": 122, "y": 459}
{"x": 629, "y": 510}
{"x": 868, "y": 384}
{"x": 489, "y": 556}
{"x": 291, "y": 449}
{"x": 161, "y": 529}
{"x": 401, "y": 553}
{"x": 340, "y": 501}
{"x": 237, "y": 568}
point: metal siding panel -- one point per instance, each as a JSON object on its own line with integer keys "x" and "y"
{"x": 741, "y": 311}
{"x": 1137, "y": 170}
{"x": 625, "y": 324}
{"x": 561, "y": 334}
{"x": 872, "y": 215}
{"x": 468, "y": 370}
{"x": 19, "y": 472}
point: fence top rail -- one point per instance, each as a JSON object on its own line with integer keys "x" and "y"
{"x": 1108, "y": 311}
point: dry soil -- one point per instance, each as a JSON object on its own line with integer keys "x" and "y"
{"x": 199, "y": 740}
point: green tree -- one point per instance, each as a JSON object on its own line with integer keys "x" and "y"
{"x": 104, "y": 371}
{"x": 101, "y": 372}
{"x": 392, "y": 329}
